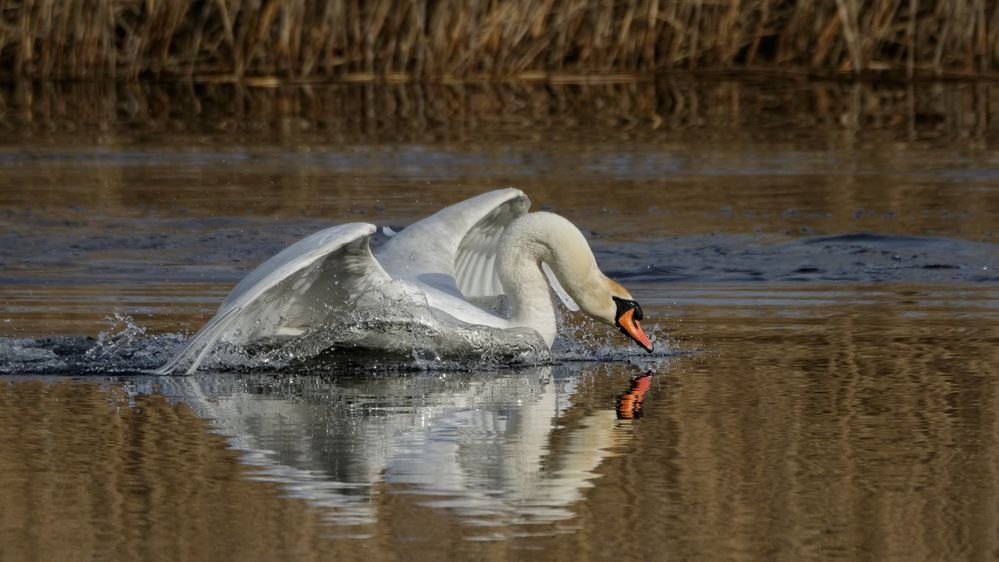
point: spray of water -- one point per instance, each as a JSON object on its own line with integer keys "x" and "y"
{"x": 122, "y": 348}
{"x": 387, "y": 331}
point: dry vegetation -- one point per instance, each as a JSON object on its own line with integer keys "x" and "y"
{"x": 472, "y": 39}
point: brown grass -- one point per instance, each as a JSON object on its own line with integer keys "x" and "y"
{"x": 472, "y": 39}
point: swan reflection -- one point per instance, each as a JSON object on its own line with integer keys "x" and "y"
{"x": 507, "y": 447}
{"x": 629, "y": 403}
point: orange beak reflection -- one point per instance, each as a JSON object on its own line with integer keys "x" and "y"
{"x": 631, "y": 327}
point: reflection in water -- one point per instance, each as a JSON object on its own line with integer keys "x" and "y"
{"x": 836, "y": 114}
{"x": 128, "y": 466}
{"x": 481, "y": 443}
{"x": 89, "y": 474}
{"x": 629, "y": 404}
{"x": 850, "y": 424}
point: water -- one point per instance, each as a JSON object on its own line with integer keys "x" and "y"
{"x": 820, "y": 276}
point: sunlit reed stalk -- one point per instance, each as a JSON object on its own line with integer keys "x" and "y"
{"x": 475, "y": 40}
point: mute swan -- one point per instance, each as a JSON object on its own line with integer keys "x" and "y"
{"x": 486, "y": 246}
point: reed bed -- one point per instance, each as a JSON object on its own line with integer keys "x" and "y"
{"x": 491, "y": 39}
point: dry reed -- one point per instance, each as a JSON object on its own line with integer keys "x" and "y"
{"x": 469, "y": 39}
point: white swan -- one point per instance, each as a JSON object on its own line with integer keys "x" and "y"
{"x": 486, "y": 246}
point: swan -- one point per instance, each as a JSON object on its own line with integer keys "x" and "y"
{"x": 485, "y": 246}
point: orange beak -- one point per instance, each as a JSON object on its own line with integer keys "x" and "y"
{"x": 631, "y": 327}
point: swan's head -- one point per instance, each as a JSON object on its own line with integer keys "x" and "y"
{"x": 623, "y": 312}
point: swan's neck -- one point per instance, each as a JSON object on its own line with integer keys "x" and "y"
{"x": 528, "y": 242}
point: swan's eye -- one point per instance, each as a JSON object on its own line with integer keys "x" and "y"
{"x": 624, "y": 305}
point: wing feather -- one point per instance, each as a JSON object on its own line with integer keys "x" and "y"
{"x": 295, "y": 287}
{"x": 454, "y": 250}
{"x": 478, "y": 277}
{"x": 470, "y": 278}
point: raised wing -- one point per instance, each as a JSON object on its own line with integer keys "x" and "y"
{"x": 304, "y": 283}
{"x": 454, "y": 250}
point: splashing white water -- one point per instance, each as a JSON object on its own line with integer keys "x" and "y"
{"x": 118, "y": 340}
{"x": 381, "y": 334}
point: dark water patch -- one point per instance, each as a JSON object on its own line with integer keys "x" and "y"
{"x": 866, "y": 238}
{"x": 138, "y": 251}
{"x": 82, "y": 355}
{"x": 859, "y": 258}
{"x": 940, "y": 266}
{"x": 142, "y": 249}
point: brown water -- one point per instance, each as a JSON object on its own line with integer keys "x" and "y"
{"x": 825, "y": 287}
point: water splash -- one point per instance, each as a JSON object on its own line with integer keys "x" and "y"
{"x": 582, "y": 339}
{"x": 412, "y": 338}
{"x": 119, "y": 340}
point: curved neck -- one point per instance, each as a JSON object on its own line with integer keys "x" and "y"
{"x": 528, "y": 242}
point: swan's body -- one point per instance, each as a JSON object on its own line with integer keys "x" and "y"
{"x": 483, "y": 247}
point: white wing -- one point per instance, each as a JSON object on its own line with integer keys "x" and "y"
{"x": 304, "y": 283}
{"x": 454, "y": 250}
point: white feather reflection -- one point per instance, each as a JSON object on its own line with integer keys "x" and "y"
{"x": 480, "y": 445}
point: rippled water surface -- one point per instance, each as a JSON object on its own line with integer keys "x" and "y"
{"x": 817, "y": 265}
